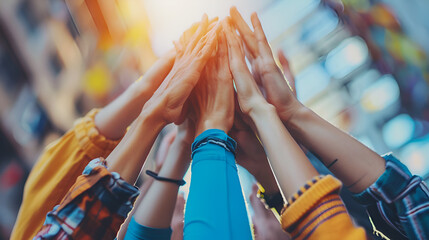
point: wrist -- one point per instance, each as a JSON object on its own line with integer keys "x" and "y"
{"x": 152, "y": 115}
{"x": 205, "y": 124}
{"x": 300, "y": 116}
{"x": 291, "y": 112}
{"x": 261, "y": 110}
{"x": 139, "y": 91}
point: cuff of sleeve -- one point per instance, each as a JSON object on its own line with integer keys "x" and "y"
{"x": 138, "y": 231}
{"x": 121, "y": 195}
{"x": 217, "y": 137}
{"x": 307, "y": 197}
{"x": 90, "y": 140}
{"x": 393, "y": 184}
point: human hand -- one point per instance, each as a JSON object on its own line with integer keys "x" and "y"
{"x": 265, "y": 70}
{"x": 168, "y": 100}
{"x": 249, "y": 95}
{"x": 213, "y": 98}
{"x": 266, "y": 225}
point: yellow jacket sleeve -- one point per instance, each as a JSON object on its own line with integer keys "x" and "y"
{"x": 56, "y": 171}
{"x": 316, "y": 211}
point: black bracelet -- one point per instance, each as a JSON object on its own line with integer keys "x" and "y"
{"x": 180, "y": 182}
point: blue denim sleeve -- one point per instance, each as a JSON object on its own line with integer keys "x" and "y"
{"x": 135, "y": 231}
{"x": 215, "y": 208}
{"x": 398, "y": 203}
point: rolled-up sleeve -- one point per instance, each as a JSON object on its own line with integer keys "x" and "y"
{"x": 316, "y": 211}
{"x": 397, "y": 203}
{"x": 94, "y": 208}
{"x": 55, "y": 172}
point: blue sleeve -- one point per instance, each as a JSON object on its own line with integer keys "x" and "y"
{"x": 215, "y": 207}
{"x": 135, "y": 231}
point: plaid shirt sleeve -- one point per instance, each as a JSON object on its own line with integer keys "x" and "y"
{"x": 397, "y": 203}
{"x": 94, "y": 208}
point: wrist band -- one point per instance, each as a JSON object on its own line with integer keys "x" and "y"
{"x": 230, "y": 147}
{"x": 180, "y": 182}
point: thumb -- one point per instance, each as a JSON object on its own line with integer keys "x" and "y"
{"x": 286, "y": 70}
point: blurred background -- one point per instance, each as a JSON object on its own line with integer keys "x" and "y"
{"x": 361, "y": 64}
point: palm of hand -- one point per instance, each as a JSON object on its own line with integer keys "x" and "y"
{"x": 191, "y": 57}
{"x": 265, "y": 70}
{"x": 274, "y": 84}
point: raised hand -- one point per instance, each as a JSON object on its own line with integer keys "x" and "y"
{"x": 191, "y": 57}
{"x": 213, "y": 98}
{"x": 249, "y": 96}
{"x": 293, "y": 171}
{"x": 265, "y": 70}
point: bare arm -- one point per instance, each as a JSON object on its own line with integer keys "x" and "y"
{"x": 293, "y": 171}
{"x": 352, "y": 162}
{"x": 113, "y": 120}
{"x": 165, "y": 106}
{"x": 157, "y": 207}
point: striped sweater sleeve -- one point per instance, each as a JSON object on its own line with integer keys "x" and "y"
{"x": 316, "y": 211}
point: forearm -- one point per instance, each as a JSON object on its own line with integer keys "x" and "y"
{"x": 128, "y": 157}
{"x": 143, "y": 190}
{"x": 113, "y": 120}
{"x": 353, "y": 163}
{"x": 289, "y": 163}
{"x": 157, "y": 207}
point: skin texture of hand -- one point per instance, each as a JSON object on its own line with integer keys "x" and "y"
{"x": 284, "y": 62}
{"x": 249, "y": 96}
{"x": 213, "y": 97}
{"x": 266, "y": 225}
{"x": 113, "y": 120}
{"x": 265, "y": 70}
{"x": 166, "y": 104}
{"x": 169, "y": 99}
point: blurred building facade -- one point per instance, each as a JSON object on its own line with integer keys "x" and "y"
{"x": 58, "y": 59}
